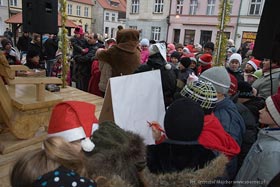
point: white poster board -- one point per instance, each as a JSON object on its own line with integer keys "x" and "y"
{"x": 136, "y": 99}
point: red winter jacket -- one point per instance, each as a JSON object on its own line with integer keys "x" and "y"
{"x": 214, "y": 137}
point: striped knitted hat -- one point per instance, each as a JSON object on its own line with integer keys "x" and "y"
{"x": 202, "y": 92}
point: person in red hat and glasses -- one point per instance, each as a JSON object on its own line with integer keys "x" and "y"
{"x": 262, "y": 162}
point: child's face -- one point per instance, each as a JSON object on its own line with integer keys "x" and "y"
{"x": 265, "y": 118}
{"x": 59, "y": 60}
{"x": 35, "y": 59}
{"x": 192, "y": 65}
{"x": 249, "y": 68}
{"x": 229, "y": 54}
{"x": 174, "y": 60}
{"x": 181, "y": 67}
{"x": 207, "y": 50}
{"x": 180, "y": 50}
{"x": 234, "y": 65}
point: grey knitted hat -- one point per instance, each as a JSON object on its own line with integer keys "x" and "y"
{"x": 219, "y": 77}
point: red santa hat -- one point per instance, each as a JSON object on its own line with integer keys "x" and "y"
{"x": 205, "y": 59}
{"x": 254, "y": 63}
{"x": 273, "y": 106}
{"x": 74, "y": 120}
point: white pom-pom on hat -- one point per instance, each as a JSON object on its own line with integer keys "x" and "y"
{"x": 87, "y": 145}
{"x": 167, "y": 66}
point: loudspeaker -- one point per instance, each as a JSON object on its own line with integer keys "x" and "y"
{"x": 40, "y": 16}
{"x": 267, "y": 44}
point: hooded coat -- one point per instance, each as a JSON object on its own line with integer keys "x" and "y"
{"x": 230, "y": 118}
{"x": 168, "y": 76}
{"x": 124, "y": 57}
{"x": 262, "y": 162}
{"x": 119, "y": 160}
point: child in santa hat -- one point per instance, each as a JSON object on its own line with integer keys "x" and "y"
{"x": 251, "y": 66}
{"x": 261, "y": 163}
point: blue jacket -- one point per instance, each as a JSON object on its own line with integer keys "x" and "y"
{"x": 230, "y": 119}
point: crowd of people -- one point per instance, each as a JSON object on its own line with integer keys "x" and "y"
{"x": 222, "y": 123}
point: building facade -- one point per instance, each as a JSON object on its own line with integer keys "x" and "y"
{"x": 149, "y": 17}
{"x": 4, "y": 14}
{"x": 248, "y": 21}
{"x": 195, "y": 21}
{"x": 80, "y": 12}
{"x": 107, "y": 16}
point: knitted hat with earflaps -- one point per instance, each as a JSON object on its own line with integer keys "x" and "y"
{"x": 201, "y": 92}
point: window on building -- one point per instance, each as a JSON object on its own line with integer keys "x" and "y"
{"x": 86, "y": 11}
{"x": 135, "y": 6}
{"x": 205, "y": 36}
{"x": 226, "y": 34}
{"x": 155, "y": 33}
{"x": 107, "y": 16}
{"x": 158, "y": 8}
{"x": 13, "y": 2}
{"x": 210, "y": 7}
{"x": 106, "y": 30}
{"x": 133, "y": 27}
{"x": 69, "y": 9}
{"x": 189, "y": 37}
{"x": 193, "y": 7}
{"x": 176, "y": 38}
{"x": 1, "y": 3}
{"x": 78, "y": 11}
{"x": 112, "y": 32}
{"x": 86, "y": 27}
{"x": 179, "y": 9}
{"x": 113, "y": 17}
{"x": 255, "y": 7}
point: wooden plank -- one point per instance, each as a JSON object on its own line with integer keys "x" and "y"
{"x": 24, "y": 97}
{"x": 9, "y": 143}
{"x": 35, "y": 80}
{"x": 70, "y": 93}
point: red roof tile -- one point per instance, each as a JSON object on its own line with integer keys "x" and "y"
{"x": 18, "y": 19}
{"x": 88, "y": 2}
{"x": 106, "y": 5}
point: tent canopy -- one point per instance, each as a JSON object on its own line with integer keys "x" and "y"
{"x": 17, "y": 19}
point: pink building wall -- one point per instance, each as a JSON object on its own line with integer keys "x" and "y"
{"x": 200, "y": 21}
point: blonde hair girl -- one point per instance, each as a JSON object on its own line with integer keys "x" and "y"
{"x": 58, "y": 163}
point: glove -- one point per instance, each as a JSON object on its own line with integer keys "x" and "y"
{"x": 85, "y": 50}
{"x": 192, "y": 78}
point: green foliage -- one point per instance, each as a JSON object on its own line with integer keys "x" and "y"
{"x": 221, "y": 43}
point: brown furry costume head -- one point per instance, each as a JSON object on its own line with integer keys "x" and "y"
{"x": 124, "y": 58}
{"x": 116, "y": 152}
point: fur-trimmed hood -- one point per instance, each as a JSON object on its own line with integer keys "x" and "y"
{"x": 116, "y": 152}
{"x": 188, "y": 178}
{"x": 119, "y": 157}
